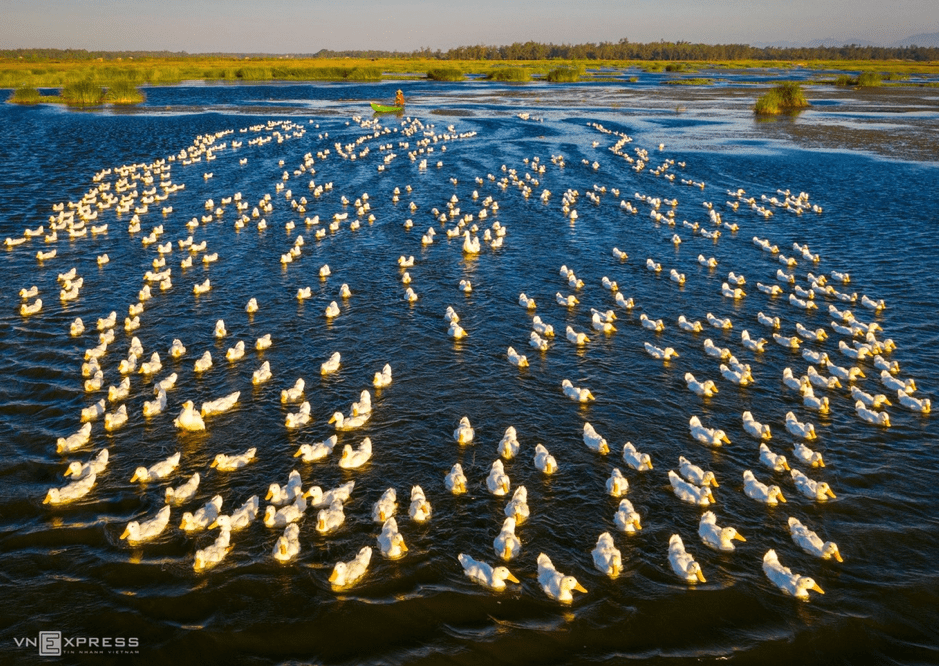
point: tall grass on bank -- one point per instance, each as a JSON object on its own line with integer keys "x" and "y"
{"x": 82, "y": 93}
{"x": 26, "y": 95}
{"x": 445, "y": 74}
{"x": 123, "y": 92}
{"x": 862, "y": 80}
{"x": 781, "y": 99}
{"x": 509, "y": 75}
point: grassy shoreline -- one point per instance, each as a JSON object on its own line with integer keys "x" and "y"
{"x": 122, "y": 79}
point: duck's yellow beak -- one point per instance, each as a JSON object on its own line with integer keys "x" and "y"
{"x": 649, "y": 464}
{"x": 821, "y": 463}
{"x": 332, "y": 419}
{"x": 134, "y": 477}
{"x": 786, "y": 466}
{"x": 403, "y": 546}
{"x": 817, "y": 589}
{"x": 507, "y": 552}
{"x": 781, "y": 498}
{"x": 270, "y": 494}
{"x": 333, "y": 576}
{"x": 214, "y": 463}
{"x": 126, "y": 533}
{"x": 213, "y": 525}
{"x": 637, "y": 524}
{"x": 714, "y": 482}
{"x": 298, "y": 453}
{"x": 829, "y": 493}
{"x": 512, "y": 578}
{"x": 579, "y": 587}
{"x": 381, "y": 516}
{"x": 700, "y": 576}
{"x": 505, "y": 486}
{"x": 739, "y": 537}
{"x": 837, "y": 556}
{"x": 283, "y": 548}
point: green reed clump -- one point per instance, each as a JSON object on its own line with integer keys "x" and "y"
{"x": 254, "y": 73}
{"x": 845, "y": 80}
{"x": 653, "y": 67}
{"x": 894, "y": 76}
{"x": 781, "y": 99}
{"x": 563, "y": 75}
{"x": 680, "y": 67}
{"x": 123, "y": 92}
{"x": 869, "y": 79}
{"x": 509, "y": 75}
{"x": 25, "y": 95}
{"x": 82, "y": 93}
{"x": 445, "y": 74}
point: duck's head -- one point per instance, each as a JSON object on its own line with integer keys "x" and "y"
{"x": 337, "y": 418}
{"x": 646, "y": 460}
{"x": 570, "y": 583}
{"x": 398, "y": 541}
{"x": 74, "y": 469}
{"x": 140, "y": 474}
{"x": 694, "y": 569}
{"x": 710, "y": 480}
{"x": 805, "y": 584}
{"x": 219, "y": 459}
{"x": 223, "y": 522}
{"x": 830, "y": 549}
{"x": 338, "y": 576}
{"x": 824, "y": 490}
{"x": 502, "y": 573}
{"x": 269, "y": 513}
{"x": 273, "y": 491}
{"x": 776, "y": 493}
{"x": 729, "y": 533}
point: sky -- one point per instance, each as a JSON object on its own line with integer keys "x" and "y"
{"x": 306, "y": 26}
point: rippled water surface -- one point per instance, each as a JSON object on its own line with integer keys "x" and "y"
{"x": 867, "y": 158}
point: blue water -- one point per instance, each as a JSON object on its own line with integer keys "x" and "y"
{"x": 66, "y": 569}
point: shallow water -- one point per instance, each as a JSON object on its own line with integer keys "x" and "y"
{"x": 869, "y": 159}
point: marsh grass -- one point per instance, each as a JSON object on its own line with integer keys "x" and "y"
{"x": 783, "y": 98}
{"x": 25, "y": 95}
{"x": 83, "y": 93}
{"x": 510, "y": 75}
{"x": 123, "y": 92}
{"x": 869, "y": 79}
{"x": 564, "y": 75}
{"x": 445, "y": 74}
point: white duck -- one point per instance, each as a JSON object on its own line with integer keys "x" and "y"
{"x": 656, "y": 325}
{"x": 331, "y": 365}
{"x": 750, "y": 344}
{"x": 96, "y": 465}
{"x": 484, "y": 574}
{"x": 782, "y": 577}
{"x": 517, "y": 507}
{"x": 689, "y": 326}
{"x": 542, "y": 328}
{"x": 331, "y": 518}
{"x": 626, "y": 518}
{"x": 183, "y": 493}
{"x": 355, "y": 458}
{"x": 383, "y": 378}
{"x": 575, "y": 393}
{"x": 718, "y": 322}
{"x": 498, "y": 481}
{"x": 660, "y": 354}
{"x": 318, "y": 498}
{"x": 209, "y": 557}
{"x": 344, "y": 423}
{"x": 706, "y": 389}
{"x": 509, "y": 444}
{"x": 755, "y": 428}
{"x": 317, "y": 451}
{"x": 220, "y": 405}
{"x": 240, "y": 518}
{"x": 773, "y": 461}
{"x": 346, "y": 573}
{"x": 189, "y": 418}
{"x": 576, "y": 337}
{"x": 293, "y": 394}
{"x": 770, "y": 495}
{"x": 688, "y": 492}
{"x": 682, "y": 562}
{"x": 799, "y": 429}
{"x": 871, "y": 416}
{"x": 555, "y": 584}
{"x": 262, "y": 374}
{"x": 203, "y": 363}
{"x": 516, "y": 359}
{"x": 641, "y": 462}
{"x": 420, "y": 510}
{"x": 287, "y": 546}
{"x": 455, "y": 481}
{"x": 807, "y": 455}
{"x": 544, "y": 461}
{"x": 924, "y": 405}
{"x": 71, "y": 492}
{"x": 203, "y": 517}
{"x": 386, "y": 506}
{"x": 707, "y": 436}
{"x": 464, "y": 433}
{"x": 226, "y": 463}
{"x": 808, "y": 541}
{"x": 285, "y": 515}
{"x": 594, "y": 441}
{"x": 137, "y": 532}
{"x": 160, "y": 470}
{"x": 74, "y": 441}
{"x": 607, "y": 557}
{"x": 696, "y": 475}
{"x": 715, "y": 537}
{"x": 813, "y": 490}
{"x": 617, "y": 485}
{"x": 390, "y": 540}
{"x": 507, "y": 545}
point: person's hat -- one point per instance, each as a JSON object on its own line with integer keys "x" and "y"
{"x": 399, "y": 91}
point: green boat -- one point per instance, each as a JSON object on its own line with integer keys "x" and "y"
{"x": 381, "y": 108}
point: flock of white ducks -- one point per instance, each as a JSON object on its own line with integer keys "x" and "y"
{"x": 289, "y": 503}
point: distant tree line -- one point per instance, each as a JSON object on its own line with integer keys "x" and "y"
{"x": 621, "y": 50}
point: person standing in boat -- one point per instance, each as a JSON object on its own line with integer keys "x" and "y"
{"x": 399, "y": 98}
